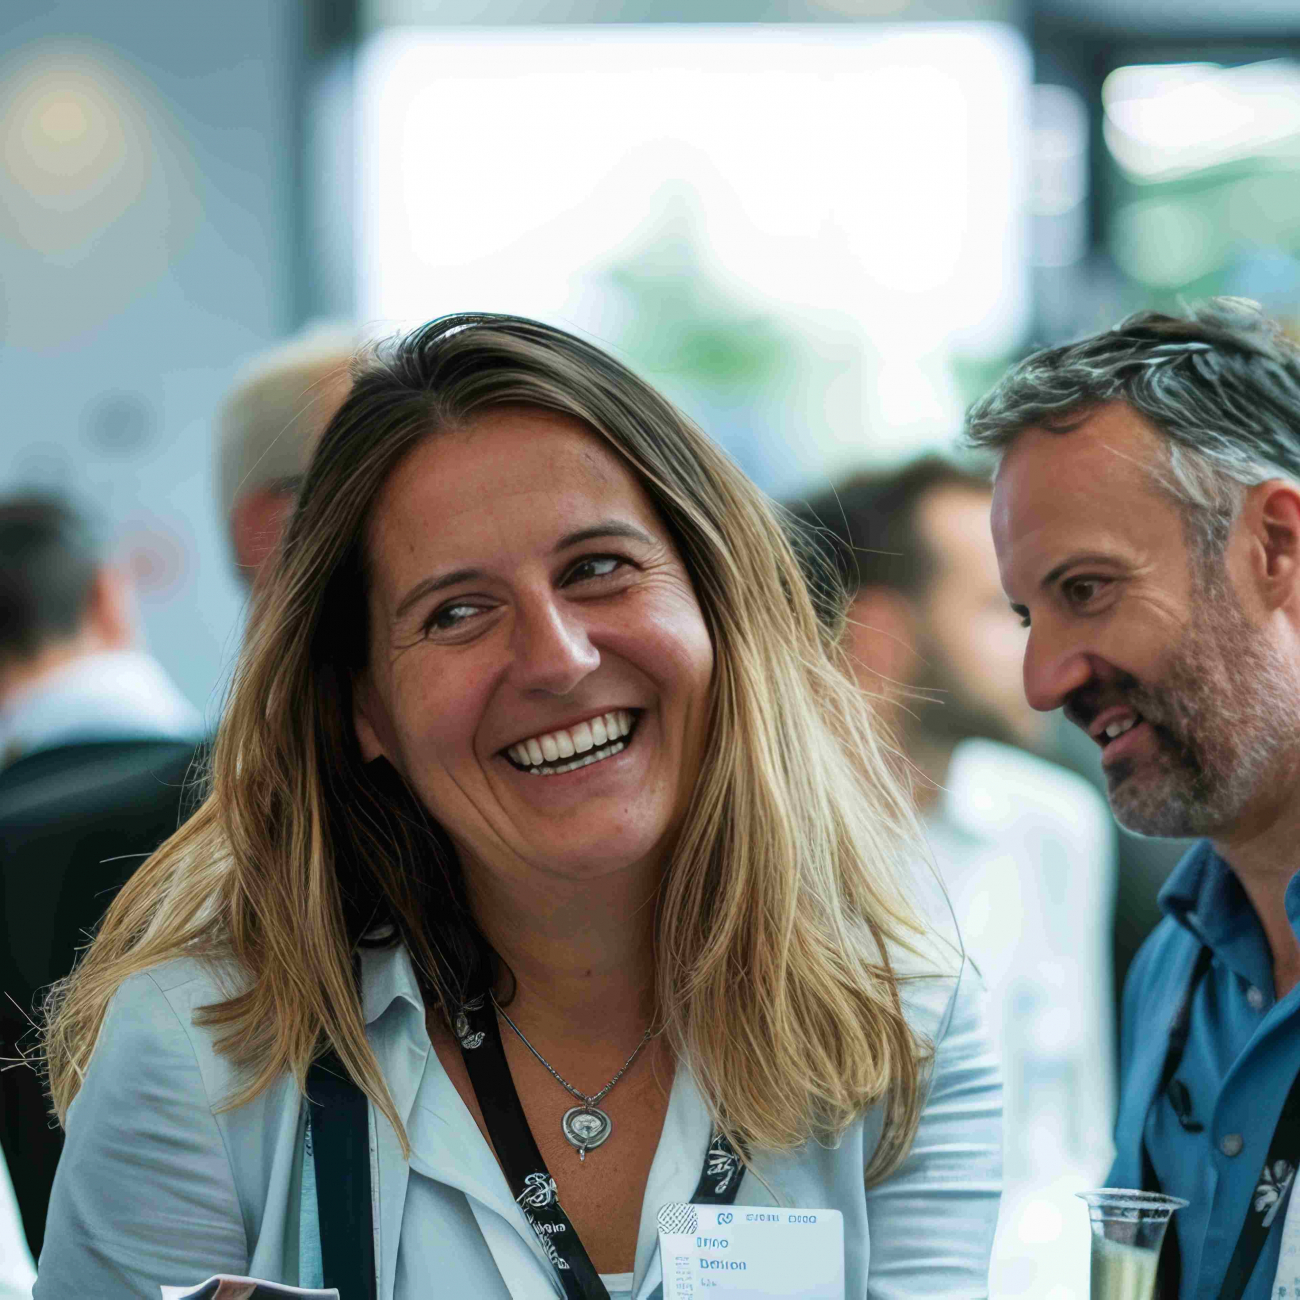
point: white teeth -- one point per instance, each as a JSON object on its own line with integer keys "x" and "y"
{"x": 1119, "y": 728}
{"x": 554, "y": 747}
{"x": 616, "y": 748}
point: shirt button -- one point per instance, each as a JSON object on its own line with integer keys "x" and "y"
{"x": 1231, "y": 1144}
{"x": 1255, "y": 997}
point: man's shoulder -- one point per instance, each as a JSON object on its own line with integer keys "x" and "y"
{"x": 97, "y": 770}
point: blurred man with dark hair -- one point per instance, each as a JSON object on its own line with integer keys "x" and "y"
{"x": 95, "y": 743}
{"x": 1025, "y": 848}
{"x": 269, "y": 425}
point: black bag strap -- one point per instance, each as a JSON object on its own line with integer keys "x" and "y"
{"x": 338, "y": 1117}
{"x": 1268, "y": 1201}
{"x": 1275, "y": 1177}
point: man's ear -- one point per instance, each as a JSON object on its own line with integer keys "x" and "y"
{"x": 881, "y": 638}
{"x": 1274, "y": 524}
{"x": 366, "y": 715}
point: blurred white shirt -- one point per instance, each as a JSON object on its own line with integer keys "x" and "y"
{"x": 122, "y": 695}
{"x": 17, "y": 1272}
{"x": 1027, "y": 852}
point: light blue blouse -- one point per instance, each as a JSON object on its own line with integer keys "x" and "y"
{"x": 158, "y": 1184}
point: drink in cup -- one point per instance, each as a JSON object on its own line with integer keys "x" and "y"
{"x": 1128, "y": 1229}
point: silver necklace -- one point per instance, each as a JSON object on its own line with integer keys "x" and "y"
{"x": 585, "y": 1126}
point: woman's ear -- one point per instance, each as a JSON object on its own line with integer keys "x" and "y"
{"x": 367, "y": 715}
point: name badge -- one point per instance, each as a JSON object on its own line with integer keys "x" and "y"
{"x": 751, "y": 1252}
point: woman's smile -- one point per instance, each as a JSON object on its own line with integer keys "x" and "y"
{"x": 570, "y": 748}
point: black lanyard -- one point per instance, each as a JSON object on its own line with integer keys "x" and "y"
{"x": 1279, "y": 1166}
{"x": 479, "y": 1035}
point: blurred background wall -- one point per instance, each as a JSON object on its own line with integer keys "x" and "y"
{"x": 149, "y": 237}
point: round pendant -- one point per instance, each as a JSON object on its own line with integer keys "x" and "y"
{"x": 586, "y": 1127}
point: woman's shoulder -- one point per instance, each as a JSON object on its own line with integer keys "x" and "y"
{"x": 184, "y": 984}
{"x": 153, "y": 1020}
{"x": 938, "y": 985}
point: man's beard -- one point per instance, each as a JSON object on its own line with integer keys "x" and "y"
{"x": 1223, "y": 716}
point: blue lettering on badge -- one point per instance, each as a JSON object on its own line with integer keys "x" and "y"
{"x": 731, "y": 1265}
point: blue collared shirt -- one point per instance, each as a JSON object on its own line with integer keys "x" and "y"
{"x": 1243, "y": 1052}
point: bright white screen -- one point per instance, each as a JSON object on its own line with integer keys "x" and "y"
{"x": 863, "y": 183}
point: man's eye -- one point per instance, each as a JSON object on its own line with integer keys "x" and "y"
{"x": 1079, "y": 591}
{"x": 594, "y": 566}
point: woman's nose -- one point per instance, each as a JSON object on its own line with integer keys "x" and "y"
{"x": 1053, "y": 668}
{"x": 552, "y": 651}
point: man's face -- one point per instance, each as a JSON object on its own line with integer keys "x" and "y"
{"x": 1164, "y": 658}
{"x": 969, "y": 646}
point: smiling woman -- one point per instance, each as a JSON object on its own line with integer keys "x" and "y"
{"x": 540, "y": 784}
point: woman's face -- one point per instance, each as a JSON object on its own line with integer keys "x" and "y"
{"x": 539, "y": 666}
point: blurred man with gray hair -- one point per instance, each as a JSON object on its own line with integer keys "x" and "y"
{"x": 1146, "y": 516}
{"x": 268, "y": 428}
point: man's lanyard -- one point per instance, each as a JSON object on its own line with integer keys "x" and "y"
{"x": 1274, "y": 1180}
{"x": 479, "y": 1034}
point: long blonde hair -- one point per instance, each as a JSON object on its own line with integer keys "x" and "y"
{"x": 782, "y": 904}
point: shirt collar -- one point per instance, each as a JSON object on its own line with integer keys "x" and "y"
{"x": 110, "y": 696}
{"x": 1206, "y": 899}
{"x": 387, "y": 976}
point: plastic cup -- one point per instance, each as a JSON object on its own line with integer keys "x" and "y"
{"x": 1128, "y": 1229}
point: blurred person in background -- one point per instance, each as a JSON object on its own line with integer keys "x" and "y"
{"x": 1025, "y": 848}
{"x": 268, "y": 427}
{"x": 1147, "y": 522}
{"x": 95, "y": 742}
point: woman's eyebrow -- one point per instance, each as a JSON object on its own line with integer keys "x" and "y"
{"x": 428, "y": 585}
{"x": 607, "y": 528}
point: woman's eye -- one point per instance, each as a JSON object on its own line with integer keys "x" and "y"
{"x": 450, "y": 617}
{"x": 595, "y": 566}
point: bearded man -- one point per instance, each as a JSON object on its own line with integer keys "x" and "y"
{"x": 1146, "y": 515}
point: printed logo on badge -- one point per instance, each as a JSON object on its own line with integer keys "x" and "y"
{"x": 754, "y": 1252}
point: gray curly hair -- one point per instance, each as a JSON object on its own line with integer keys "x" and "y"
{"x": 1220, "y": 383}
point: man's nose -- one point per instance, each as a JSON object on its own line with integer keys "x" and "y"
{"x": 1054, "y": 668}
{"x": 552, "y": 651}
